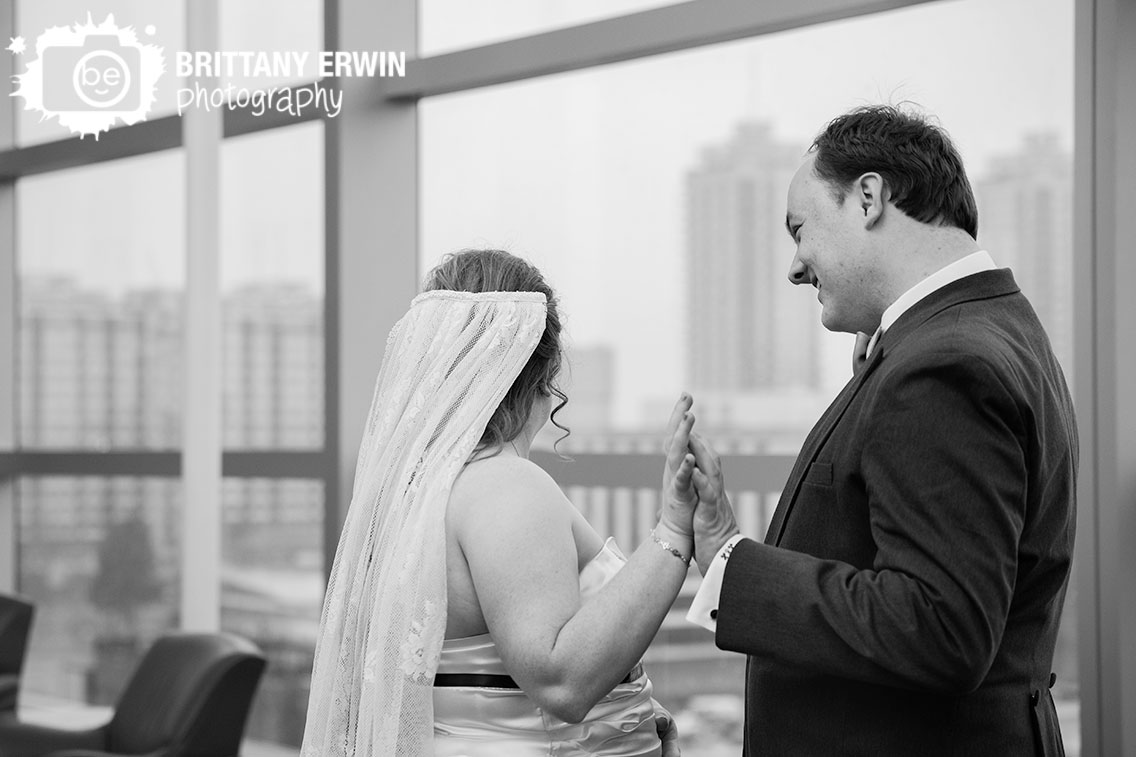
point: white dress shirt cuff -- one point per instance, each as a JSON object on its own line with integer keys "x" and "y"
{"x": 704, "y": 607}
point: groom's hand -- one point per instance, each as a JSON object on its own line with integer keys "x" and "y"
{"x": 714, "y": 522}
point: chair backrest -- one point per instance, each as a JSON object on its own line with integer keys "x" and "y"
{"x": 190, "y": 694}
{"x": 15, "y": 627}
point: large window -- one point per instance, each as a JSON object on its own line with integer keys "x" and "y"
{"x": 100, "y": 557}
{"x": 272, "y": 337}
{"x": 99, "y": 324}
{"x": 272, "y": 584}
{"x": 272, "y": 288}
{"x": 101, "y": 252}
{"x": 98, "y": 357}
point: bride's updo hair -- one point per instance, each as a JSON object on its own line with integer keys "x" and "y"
{"x": 499, "y": 271}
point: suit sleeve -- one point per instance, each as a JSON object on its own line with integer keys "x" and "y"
{"x": 945, "y": 475}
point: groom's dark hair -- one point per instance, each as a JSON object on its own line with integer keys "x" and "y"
{"x": 917, "y": 160}
{"x": 500, "y": 271}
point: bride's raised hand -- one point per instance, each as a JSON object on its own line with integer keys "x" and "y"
{"x": 679, "y": 497}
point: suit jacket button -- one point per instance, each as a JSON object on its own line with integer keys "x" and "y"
{"x": 713, "y": 615}
{"x": 1035, "y": 697}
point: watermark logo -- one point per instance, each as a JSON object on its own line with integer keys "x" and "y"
{"x": 89, "y": 75}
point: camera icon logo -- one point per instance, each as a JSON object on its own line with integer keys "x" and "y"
{"x": 100, "y": 74}
{"x": 90, "y": 76}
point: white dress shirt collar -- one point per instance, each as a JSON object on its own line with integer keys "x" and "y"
{"x": 976, "y": 262}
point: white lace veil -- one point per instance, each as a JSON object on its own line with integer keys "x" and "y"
{"x": 447, "y": 366}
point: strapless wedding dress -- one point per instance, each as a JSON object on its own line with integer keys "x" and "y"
{"x": 491, "y": 721}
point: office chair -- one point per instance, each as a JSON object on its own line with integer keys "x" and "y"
{"x": 15, "y": 624}
{"x": 189, "y": 697}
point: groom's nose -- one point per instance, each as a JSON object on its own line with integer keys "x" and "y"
{"x": 799, "y": 273}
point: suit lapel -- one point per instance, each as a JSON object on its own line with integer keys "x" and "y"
{"x": 815, "y": 440}
{"x": 978, "y": 286}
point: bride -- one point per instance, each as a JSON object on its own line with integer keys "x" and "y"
{"x": 471, "y": 609}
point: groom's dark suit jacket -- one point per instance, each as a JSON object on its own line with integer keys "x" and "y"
{"x": 907, "y": 597}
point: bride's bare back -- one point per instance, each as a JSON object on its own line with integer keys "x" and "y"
{"x": 487, "y": 491}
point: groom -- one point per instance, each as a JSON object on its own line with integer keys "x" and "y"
{"x": 907, "y": 597}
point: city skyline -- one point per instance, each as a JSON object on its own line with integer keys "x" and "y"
{"x": 1034, "y": 240}
{"x": 104, "y": 371}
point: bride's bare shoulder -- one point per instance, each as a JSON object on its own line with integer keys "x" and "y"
{"x": 502, "y": 481}
{"x": 500, "y": 502}
{"x": 498, "y": 472}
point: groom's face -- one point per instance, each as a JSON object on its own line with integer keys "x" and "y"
{"x": 833, "y": 251}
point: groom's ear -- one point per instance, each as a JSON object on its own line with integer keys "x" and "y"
{"x": 871, "y": 194}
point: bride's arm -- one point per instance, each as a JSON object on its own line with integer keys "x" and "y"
{"x": 514, "y": 527}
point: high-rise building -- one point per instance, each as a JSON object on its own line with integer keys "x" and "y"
{"x": 1025, "y": 221}
{"x": 96, "y": 371}
{"x": 273, "y": 340}
{"x": 105, "y": 372}
{"x": 748, "y": 330}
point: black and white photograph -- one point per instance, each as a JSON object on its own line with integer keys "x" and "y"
{"x": 589, "y": 378}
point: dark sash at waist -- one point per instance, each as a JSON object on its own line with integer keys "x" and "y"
{"x": 491, "y": 681}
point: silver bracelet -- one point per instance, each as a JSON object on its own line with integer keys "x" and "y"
{"x": 669, "y": 547}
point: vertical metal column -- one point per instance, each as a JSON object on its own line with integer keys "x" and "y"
{"x": 8, "y": 318}
{"x": 201, "y": 422}
{"x": 1105, "y": 193}
{"x": 372, "y": 228}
